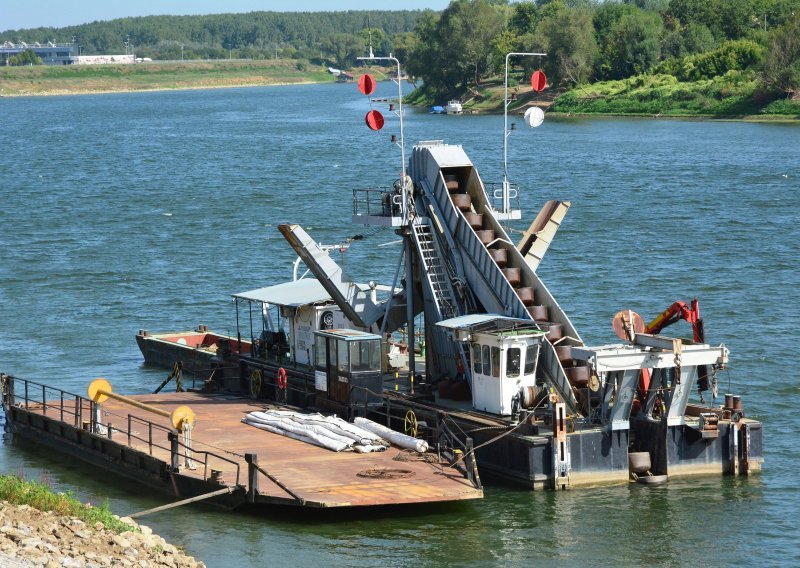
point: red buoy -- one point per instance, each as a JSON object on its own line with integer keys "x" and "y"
{"x": 538, "y": 81}
{"x": 366, "y": 84}
{"x": 374, "y": 120}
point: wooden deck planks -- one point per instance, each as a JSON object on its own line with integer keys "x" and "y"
{"x": 319, "y": 476}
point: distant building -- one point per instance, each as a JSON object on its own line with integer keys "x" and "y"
{"x": 343, "y": 77}
{"x": 105, "y": 59}
{"x": 51, "y": 53}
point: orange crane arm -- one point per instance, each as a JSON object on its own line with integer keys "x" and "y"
{"x": 678, "y": 311}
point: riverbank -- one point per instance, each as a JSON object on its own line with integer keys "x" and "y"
{"x": 728, "y": 97}
{"x": 45, "y": 80}
{"x": 60, "y": 531}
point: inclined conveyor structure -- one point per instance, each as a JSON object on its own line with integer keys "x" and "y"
{"x": 460, "y": 261}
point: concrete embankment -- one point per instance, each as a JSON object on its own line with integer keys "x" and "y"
{"x": 29, "y": 537}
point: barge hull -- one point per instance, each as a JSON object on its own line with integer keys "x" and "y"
{"x": 260, "y": 468}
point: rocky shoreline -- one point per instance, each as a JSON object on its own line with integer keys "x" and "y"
{"x": 29, "y": 537}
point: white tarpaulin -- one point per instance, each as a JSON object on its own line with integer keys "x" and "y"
{"x": 396, "y": 438}
{"x": 327, "y": 431}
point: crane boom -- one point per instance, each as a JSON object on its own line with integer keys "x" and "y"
{"x": 678, "y": 311}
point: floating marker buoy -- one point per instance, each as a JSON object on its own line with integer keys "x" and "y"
{"x": 374, "y": 120}
{"x": 538, "y": 81}
{"x": 534, "y": 116}
{"x": 366, "y": 84}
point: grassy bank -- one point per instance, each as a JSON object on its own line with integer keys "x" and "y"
{"x": 82, "y": 79}
{"x": 488, "y": 98}
{"x": 737, "y": 94}
{"x": 37, "y": 495}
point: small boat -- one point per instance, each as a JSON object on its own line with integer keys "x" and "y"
{"x": 437, "y": 109}
{"x": 454, "y": 106}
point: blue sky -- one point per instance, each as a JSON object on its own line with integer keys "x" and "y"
{"x": 27, "y": 14}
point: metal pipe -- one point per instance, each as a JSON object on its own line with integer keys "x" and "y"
{"x": 410, "y": 305}
{"x": 225, "y": 491}
{"x": 135, "y": 403}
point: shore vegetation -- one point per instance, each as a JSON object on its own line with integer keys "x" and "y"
{"x": 720, "y": 58}
{"x": 83, "y": 79}
{"x": 39, "y": 496}
{"x": 717, "y": 58}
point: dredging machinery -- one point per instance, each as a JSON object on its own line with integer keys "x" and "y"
{"x": 502, "y": 361}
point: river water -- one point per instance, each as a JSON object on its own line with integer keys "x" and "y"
{"x": 147, "y": 210}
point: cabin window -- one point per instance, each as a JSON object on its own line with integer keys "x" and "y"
{"x": 530, "y": 359}
{"x": 365, "y": 355}
{"x": 320, "y": 351}
{"x": 375, "y": 354}
{"x": 344, "y": 360}
{"x": 476, "y": 356}
{"x": 487, "y": 361}
{"x": 495, "y": 361}
{"x": 513, "y": 362}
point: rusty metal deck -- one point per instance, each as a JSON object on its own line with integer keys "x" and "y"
{"x": 316, "y": 476}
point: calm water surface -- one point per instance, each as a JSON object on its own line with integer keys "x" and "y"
{"x": 121, "y": 212}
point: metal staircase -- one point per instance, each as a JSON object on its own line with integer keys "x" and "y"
{"x": 434, "y": 268}
{"x": 440, "y": 302}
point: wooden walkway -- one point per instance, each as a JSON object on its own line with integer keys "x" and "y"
{"x": 316, "y": 476}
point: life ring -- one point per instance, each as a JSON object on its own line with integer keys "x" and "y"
{"x": 281, "y": 378}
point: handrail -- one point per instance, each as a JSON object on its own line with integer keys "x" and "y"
{"x": 10, "y": 399}
{"x": 442, "y": 430}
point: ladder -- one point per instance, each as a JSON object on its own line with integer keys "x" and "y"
{"x": 434, "y": 268}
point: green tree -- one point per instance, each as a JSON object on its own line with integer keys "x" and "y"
{"x": 524, "y": 18}
{"x": 454, "y": 49}
{"x": 781, "y": 68}
{"x": 633, "y": 46}
{"x": 403, "y": 45}
{"x": 342, "y": 49}
{"x": 505, "y": 42}
{"x": 568, "y": 38}
{"x": 27, "y": 57}
{"x": 466, "y": 30}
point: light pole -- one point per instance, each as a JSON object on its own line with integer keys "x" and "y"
{"x": 181, "y": 52}
{"x": 400, "y": 114}
{"x": 506, "y": 188}
{"x": 404, "y": 208}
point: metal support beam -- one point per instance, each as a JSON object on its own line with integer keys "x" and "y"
{"x": 252, "y": 476}
{"x": 561, "y": 458}
{"x": 194, "y": 499}
{"x": 174, "y": 450}
{"x": 354, "y": 303}
{"x": 610, "y": 358}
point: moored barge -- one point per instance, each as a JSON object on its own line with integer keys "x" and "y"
{"x": 156, "y": 441}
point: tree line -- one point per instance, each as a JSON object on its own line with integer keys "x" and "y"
{"x": 335, "y": 38}
{"x": 588, "y": 41}
{"x": 457, "y": 49}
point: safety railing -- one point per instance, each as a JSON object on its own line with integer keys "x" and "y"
{"x": 83, "y": 414}
{"x": 377, "y": 202}
{"x": 455, "y": 447}
{"x": 494, "y": 190}
{"x": 259, "y": 379}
